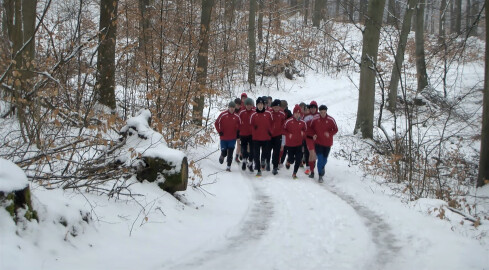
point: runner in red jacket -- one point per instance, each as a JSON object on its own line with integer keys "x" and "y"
{"x": 278, "y": 117}
{"x": 227, "y": 125}
{"x": 324, "y": 129}
{"x": 313, "y": 114}
{"x": 261, "y": 122}
{"x": 245, "y": 134}
{"x": 295, "y": 130}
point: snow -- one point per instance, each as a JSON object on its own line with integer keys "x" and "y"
{"x": 147, "y": 142}
{"x": 237, "y": 221}
{"x": 12, "y": 177}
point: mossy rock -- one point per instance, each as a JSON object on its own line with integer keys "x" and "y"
{"x": 165, "y": 173}
{"x": 19, "y": 199}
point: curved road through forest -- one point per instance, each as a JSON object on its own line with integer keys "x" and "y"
{"x": 301, "y": 225}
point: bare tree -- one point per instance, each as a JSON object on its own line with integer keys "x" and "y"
{"x": 420, "y": 52}
{"x": 317, "y": 15}
{"x": 399, "y": 57}
{"x": 483, "y": 176}
{"x": 366, "y": 99}
{"x": 251, "y": 44}
{"x": 106, "y": 53}
{"x": 202, "y": 61}
{"x": 458, "y": 17}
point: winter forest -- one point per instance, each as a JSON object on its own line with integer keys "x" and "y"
{"x": 107, "y": 135}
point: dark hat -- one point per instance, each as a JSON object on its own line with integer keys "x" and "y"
{"x": 237, "y": 101}
{"x": 232, "y": 104}
{"x": 323, "y": 107}
{"x": 313, "y": 103}
{"x": 297, "y": 109}
{"x": 244, "y": 95}
{"x": 265, "y": 99}
{"x": 248, "y": 101}
{"x": 302, "y": 104}
{"x": 270, "y": 97}
{"x": 276, "y": 103}
{"x": 260, "y": 100}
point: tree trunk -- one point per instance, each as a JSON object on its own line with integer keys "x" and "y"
{"x": 441, "y": 22}
{"x": 260, "y": 20}
{"x": 452, "y": 16}
{"x": 483, "y": 176}
{"x": 420, "y": 54}
{"x": 20, "y": 18}
{"x": 251, "y": 44}
{"x": 202, "y": 62}
{"x": 362, "y": 10}
{"x": 366, "y": 99}
{"x": 306, "y": 11}
{"x": 145, "y": 24}
{"x": 391, "y": 15}
{"x": 318, "y": 13}
{"x": 474, "y": 19}
{"x": 337, "y": 9}
{"x": 106, "y": 53}
{"x": 276, "y": 11}
{"x": 399, "y": 57}
{"x": 458, "y": 17}
{"x": 18, "y": 199}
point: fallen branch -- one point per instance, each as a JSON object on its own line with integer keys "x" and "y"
{"x": 467, "y": 217}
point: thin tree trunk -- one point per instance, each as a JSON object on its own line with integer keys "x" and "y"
{"x": 318, "y": 13}
{"x": 337, "y": 9}
{"x": 366, "y": 99}
{"x": 251, "y": 43}
{"x": 277, "y": 20}
{"x": 391, "y": 14}
{"x": 106, "y": 53}
{"x": 458, "y": 17}
{"x": 202, "y": 62}
{"x": 306, "y": 11}
{"x": 399, "y": 57}
{"x": 362, "y": 10}
{"x": 483, "y": 176}
{"x": 260, "y": 20}
{"x": 420, "y": 53}
{"x": 441, "y": 22}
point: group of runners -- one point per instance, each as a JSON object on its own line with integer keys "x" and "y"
{"x": 269, "y": 132}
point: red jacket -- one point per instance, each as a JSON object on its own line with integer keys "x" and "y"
{"x": 321, "y": 126}
{"x": 295, "y": 131}
{"x": 308, "y": 119}
{"x": 245, "y": 126}
{"x": 261, "y": 123}
{"x": 228, "y": 124}
{"x": 278, "y": 120}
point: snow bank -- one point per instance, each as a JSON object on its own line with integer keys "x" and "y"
{"x": 11, "y": 177}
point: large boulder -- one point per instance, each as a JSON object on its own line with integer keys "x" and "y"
{"x": 147, "y": 151}
{"x": 15, "y": 194}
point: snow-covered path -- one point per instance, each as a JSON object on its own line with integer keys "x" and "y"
{"x": 300, "y": 224}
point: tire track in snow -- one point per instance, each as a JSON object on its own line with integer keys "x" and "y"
{"x": 253, "y": 227}
{"x": 381, "y": 232}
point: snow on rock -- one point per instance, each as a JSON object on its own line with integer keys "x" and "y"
{"x": 143, "y": 140}
{"x": 11, "y": 177}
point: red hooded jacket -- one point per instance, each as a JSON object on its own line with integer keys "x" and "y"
{"x": 245, "y": 126}
{"x": 261, "y": 123}
{"x": 295, "y": 131}
{"x": 321, "y": 126}
{"x": 228, "y": 124}
{"x": 278, "y": 120}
